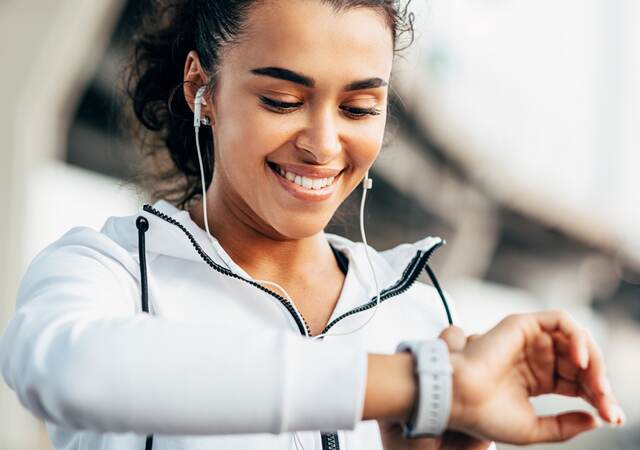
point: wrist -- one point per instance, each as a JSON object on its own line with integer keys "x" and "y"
{"x": 391, "y": 387}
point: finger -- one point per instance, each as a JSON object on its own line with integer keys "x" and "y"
{"x": 561, "y": 321}
{"x": 541, "y": 359}
{"x": 593, "y": 381}
{"x": 570, "y": 384}
{"x": 606, "y": 404}
{"x": 454, "y": 337}
{"x": 595, "y": 376}
{"x": 573, "y": 389}
{"x": 561, "y": 343}
{"x": 566, "y": 369}
{"x": 567, "y": 388}
{"x": 563, "y": 426}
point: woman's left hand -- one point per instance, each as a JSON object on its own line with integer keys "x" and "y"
{"x": 393, "y": 439}
{"x": 391, "y": 432}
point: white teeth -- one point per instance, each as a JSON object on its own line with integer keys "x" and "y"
{"x": 306, "y": 182}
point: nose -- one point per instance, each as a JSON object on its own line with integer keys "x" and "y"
{"x": 320, "y": 140}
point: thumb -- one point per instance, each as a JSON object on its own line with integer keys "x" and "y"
{"x": 454, "y": 337}
{"x": 563, "y": 426}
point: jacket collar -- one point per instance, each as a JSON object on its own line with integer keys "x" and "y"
{"x": 170, "y": 230}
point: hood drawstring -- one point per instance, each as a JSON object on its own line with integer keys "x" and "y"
{"x": 143, "y": 225}
{"x": 436, "y": 285}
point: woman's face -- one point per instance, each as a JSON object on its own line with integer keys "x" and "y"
{"x": 299, "y": 112}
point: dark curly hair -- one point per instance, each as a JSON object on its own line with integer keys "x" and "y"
{"x": 168, "y": 31}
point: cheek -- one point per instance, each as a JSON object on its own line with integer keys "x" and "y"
{"x": 246, "y": 135}
{"x": 363, "y": 144}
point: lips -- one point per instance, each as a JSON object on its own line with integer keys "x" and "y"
{"x": 304, "y": 183}
{"x": 302, "y": 180}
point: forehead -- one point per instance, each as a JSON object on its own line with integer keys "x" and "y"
{"x": 311, "y": 37}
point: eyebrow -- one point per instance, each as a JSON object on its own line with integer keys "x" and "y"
{"x": 294, "y": 77}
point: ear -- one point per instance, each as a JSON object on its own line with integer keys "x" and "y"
{"x": 194, "y": 77}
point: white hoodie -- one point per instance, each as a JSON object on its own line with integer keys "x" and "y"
{"x": 220, "y": 362}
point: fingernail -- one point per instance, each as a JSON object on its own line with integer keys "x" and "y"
{"x": 584, "y": 358}
{"x": 617, "y": 416}
{"x": 621, "y": 419}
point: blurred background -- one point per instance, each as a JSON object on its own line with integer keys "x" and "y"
{"x": 513, "y": 136}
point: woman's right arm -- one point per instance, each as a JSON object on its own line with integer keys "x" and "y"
{"x": 77, "y": 355}
{"x": 391, "y": 387}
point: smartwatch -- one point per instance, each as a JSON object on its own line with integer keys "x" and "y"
{"x": 432, "y": 407}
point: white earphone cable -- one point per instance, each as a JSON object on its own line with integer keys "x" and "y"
{"x": 196, "y": 126}
{"x": 366, "y": 185}
{"x": 204, "y": 191}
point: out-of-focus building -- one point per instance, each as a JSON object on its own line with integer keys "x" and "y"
{"x": 512, "y": 136}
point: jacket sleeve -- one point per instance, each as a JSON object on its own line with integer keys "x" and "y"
{"x": 77, "y": 355}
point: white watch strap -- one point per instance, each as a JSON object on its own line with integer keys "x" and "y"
{"x": 433, "y": 403}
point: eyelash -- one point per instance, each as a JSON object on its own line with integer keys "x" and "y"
{"x": 284, "y": 107}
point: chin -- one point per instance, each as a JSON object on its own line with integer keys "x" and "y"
{"x": 300, "y": 227}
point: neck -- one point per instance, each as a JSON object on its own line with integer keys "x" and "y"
{"x": 262, "y": 254}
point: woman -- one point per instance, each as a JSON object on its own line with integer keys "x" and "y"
{"x": 237, "y": 277}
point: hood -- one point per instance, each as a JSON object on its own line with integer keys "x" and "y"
{"x": 173, "y": 233}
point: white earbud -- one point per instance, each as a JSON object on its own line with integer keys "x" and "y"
{"x": 197, "y": 121}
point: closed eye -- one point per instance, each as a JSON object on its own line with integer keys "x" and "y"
{"x": 360, "y": 112}
{"x": 285, "y": 107}
{"x": 278, "y": 105}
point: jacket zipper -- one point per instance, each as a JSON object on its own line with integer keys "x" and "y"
{"x": 409, "y": 276}
{"x": 223, "y": 270}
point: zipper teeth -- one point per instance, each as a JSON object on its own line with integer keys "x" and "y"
{"x": 287, "y": 304}
{"x": 409, "y": 276}
{"x": 330, "y": 441}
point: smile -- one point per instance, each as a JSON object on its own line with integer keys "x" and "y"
{"x": 302, "y": 180}
{"x": 313, "y": 184}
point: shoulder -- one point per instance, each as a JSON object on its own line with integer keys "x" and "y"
{"x": 400, "y": 268}
{"x": 110, "y": 247}
{"x": 401, "y": 262}
{"x": 399, "y": 252}
{"x": 83, "y": 260}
